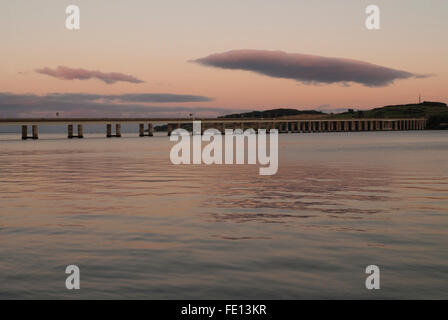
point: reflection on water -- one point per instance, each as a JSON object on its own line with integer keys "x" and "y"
{"x": 140, "y": 227}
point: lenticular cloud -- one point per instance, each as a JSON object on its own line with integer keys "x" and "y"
{"x": 67, "y": 73}
{"x": 306, "y": 68}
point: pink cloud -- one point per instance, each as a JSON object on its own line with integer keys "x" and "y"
{"x": 66, "y": 73}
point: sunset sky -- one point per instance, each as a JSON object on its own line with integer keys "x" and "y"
{"x": 172, "y": 57}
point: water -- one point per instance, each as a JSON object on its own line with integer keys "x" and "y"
{"x": 140, "y": 227}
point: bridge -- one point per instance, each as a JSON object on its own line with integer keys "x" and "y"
{"x": 282, "y": 125}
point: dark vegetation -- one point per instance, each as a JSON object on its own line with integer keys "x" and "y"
{"x": 274, "y": 113}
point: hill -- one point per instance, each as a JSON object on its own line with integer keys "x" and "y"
{"x": 435, "y": 112}
{"x": 274, "y": 113}
{"x": 420, "y": 110}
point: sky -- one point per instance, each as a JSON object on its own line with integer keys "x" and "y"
{"x": 210, "y": 57}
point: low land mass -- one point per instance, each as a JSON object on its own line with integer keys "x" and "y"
{"x": 435, "y": 112}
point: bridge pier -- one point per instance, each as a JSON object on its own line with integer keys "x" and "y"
{"x": 282, "y": 125}
{"x": 80, "y": 131}
{"x": 70, "y": 131}
{"x": 117, "y": 130}
{"x": 338, "y": 126}
{"x": 223, "y": 127}
{"x": 203, "y": 128}
{"x": 35, "y": 133}
{"x": 24, "y": 132}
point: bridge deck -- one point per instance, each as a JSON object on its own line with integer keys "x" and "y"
{"x": 67, "y": 121}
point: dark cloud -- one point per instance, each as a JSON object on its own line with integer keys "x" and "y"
{"x": 306, "y": 68}
{"x": 95, "y": 105}
{"x": 67, "y": 73}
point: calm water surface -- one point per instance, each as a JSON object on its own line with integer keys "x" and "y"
{"x": 140, "y": 227}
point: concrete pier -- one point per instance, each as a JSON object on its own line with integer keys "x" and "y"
{"x": 35, "y": 133}
{"x": 70, "y": 131}
{"x": 80, "y": 131}
{"x": 109, "y": 130}
{"x": 70, "y": 134}
{"x": 24, "y": 132}
{"x": 117, "y": 130}
{"x": 141, "y": 130}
